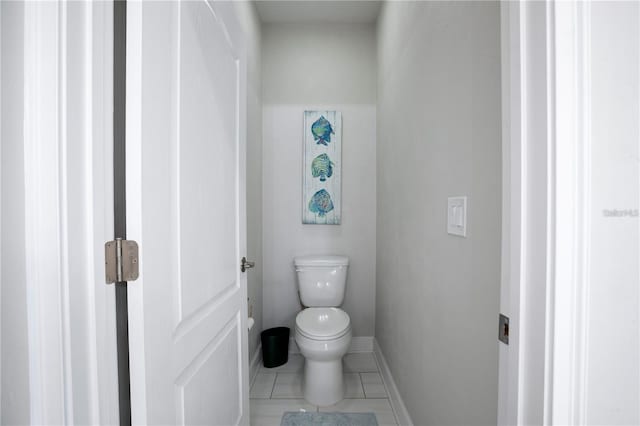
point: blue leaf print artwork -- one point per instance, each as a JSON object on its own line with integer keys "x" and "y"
{"x": 322, "y": 131}
{"x": 321, "y": 203}
{"x": 322, "y": 167}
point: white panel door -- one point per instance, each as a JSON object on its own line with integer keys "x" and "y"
{"x": 185, "y": 207}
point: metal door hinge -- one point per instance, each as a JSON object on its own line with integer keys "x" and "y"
{"x": 121, "y": 261}
{"x": 503, "y": 329}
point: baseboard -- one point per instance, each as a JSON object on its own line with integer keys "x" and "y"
{"x": 254, "y": 365}
{"x": 400, "y": 410}
{"x": 358, "y": 344}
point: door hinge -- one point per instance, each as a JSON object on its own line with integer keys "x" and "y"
{"x": 120, "y": 261}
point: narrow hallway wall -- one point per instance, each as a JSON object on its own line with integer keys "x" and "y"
{"x": 329, "y": 67}
{"x": 439, "y": 122}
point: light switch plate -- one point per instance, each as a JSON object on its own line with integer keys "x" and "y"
{"x": 457, "y": 216}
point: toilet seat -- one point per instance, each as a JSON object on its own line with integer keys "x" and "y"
{"x": 323, "y": 323}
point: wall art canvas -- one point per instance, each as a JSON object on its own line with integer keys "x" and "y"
{"x": 322, "y": 168}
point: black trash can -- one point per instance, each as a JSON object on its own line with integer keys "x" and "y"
{"x": 275, "y": 346}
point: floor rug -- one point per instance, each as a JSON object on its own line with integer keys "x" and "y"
{"x": 328, "y": 419}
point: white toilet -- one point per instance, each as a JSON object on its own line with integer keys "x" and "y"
{"x": 323, "y": 331}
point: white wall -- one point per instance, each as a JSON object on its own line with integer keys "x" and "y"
{"x": 612, "y": 331}
{"x": 314, "y": 66}
{"x": 250, "y": 21}
{"x": 439, "y": 135}
{"x": 319, "y": 64}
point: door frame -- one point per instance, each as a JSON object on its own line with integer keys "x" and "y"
{"x": 531, "y": 189}
{"x": 526, "y": 220}
{"x": 546, "y": 125}
{"x": 66, "y": 179}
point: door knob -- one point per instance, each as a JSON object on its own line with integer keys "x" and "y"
{"x": 245, "y": 264}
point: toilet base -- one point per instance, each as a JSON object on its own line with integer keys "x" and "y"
{"x": 323, "y": 382}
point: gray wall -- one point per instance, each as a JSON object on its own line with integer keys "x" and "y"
{"x": 439, "y": 122}
{"x": 15, "y": 351}
{"x": 251, "y": 25}
{"x": 313, "y": 66}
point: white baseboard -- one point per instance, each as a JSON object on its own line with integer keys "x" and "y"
{"x": 358, "y": 344}
{"x": 254, "y": 364}
{"x": 400, "y": 410}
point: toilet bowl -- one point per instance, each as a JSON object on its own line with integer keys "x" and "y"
{"x": 323, "y": 336}
{"x": 323, "y": 331}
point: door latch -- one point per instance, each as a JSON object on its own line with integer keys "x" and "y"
{"x": 121, "y": 261}
{"x": 245, "y": 264}
{"x": 503, "y": 329}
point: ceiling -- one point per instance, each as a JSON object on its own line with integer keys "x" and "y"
{"x": 320, "y": 11}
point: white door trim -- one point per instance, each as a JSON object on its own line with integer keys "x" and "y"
{"x": 569, "y": 283}
{"x": 133, "y": 132}
{"x": 68, "y": 207}
{"x": 46, "y": 273}
{"x": 526, "y": 210}
{"x": 546, "y": 173}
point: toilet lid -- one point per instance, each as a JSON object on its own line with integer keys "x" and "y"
{"x": 323, "y": 323}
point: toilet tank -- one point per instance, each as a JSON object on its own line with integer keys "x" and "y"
{"x": 321, "y": 279}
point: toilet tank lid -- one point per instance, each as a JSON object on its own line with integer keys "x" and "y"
{"x": 318, "y": 260}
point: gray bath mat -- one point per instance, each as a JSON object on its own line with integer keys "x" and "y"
{"x": 328, "y": 419}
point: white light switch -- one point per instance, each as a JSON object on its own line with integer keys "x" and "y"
{"x": 457, "y": 216}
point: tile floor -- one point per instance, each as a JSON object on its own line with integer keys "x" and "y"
{"x": 276, "y": 390}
